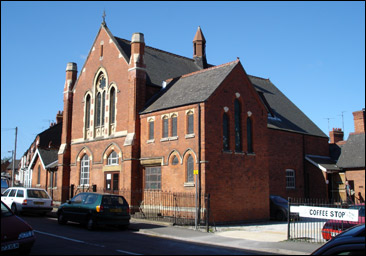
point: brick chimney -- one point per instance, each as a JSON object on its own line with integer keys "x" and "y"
{"x": 59, "y": 117}
{"x": 359, "y": 121}
{"x": 336, "y": 135}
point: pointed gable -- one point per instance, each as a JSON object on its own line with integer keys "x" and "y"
{"x": 191, "y": 88}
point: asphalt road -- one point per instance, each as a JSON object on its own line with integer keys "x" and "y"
{"x": 75, "y": 239}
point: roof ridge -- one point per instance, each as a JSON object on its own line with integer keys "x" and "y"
{"x": 153, "y": 48}
{"x": 208, "y": 69}
{"x": 259, "y": 77}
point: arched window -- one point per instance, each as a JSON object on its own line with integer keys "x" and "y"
{"x": 174, "y": 125}
{"x": 112, "y": 105}
{"x": 97, "y": 112}
{"x": 84, "y": 171}
{"x": 250, "y": 135}
{"x": 238, "y": 146}
{"x": 151, "y": 129}
{"x": 87, "y": 111}
{"x": 113, "y": 158}
{"x": 190, "y": 167}
{"x": 175, "y": 160}
{"x": 226, "y": 133}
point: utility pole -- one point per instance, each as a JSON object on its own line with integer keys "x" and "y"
{"x": 14, "y": 157}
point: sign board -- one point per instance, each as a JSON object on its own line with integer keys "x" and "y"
{"x": 327, "y": 213}
{"x": 195, "y": 171}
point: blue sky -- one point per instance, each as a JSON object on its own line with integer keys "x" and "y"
{"x": 314, "y": 52}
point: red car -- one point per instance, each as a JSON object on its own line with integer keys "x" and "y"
{"x": 17, "y": 237}
{"x": 333, "y": 227}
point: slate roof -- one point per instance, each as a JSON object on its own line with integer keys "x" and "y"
{"x": 353, "y": 152}
{"x": 322, "y": 162}
{"x": 283, "y": 114}
{"x": 52, "y": 134}
{"x": 160, "y": 65}
{"x": 48, "y": 156}
{"x": 192, "y": 88}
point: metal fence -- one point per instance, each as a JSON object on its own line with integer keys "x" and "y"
{"x": 178, "y": 208}
{"x": 313, "y": 229}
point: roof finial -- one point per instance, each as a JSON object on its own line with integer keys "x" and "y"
{"x": 103, "y": 16}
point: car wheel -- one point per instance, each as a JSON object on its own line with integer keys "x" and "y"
{"x": 61, "y": 219}
{"x": 280, "y": 216}
{"x": 90, "y": 224}
{"x": 14, "y": 209}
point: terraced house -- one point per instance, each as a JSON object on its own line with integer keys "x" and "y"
{"x": 137, "y": 118}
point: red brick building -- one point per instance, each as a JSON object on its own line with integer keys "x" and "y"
{"x": 139, "y": 118}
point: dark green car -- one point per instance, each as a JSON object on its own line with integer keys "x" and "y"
{"x": 95, "y": 209}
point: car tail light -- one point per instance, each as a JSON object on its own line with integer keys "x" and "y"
{"x": 99, "y": 208}
{"x": 24, "y": 202}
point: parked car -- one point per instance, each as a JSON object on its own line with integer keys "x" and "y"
{"x": 279, "y": 208}
{"x": 349, "y": 242}
{"x": 333, "y": 227}
{"x": 21, "y": 200}
{"x": 4, "y": 184}
{"x": 95, "y": 209}
{"x": 17, "y": 236}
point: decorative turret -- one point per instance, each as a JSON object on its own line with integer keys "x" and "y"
{"x": 199, "y": 49}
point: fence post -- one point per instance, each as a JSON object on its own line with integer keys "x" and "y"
{"x": 288, "y": 218}
{"x": 208, "y": 211}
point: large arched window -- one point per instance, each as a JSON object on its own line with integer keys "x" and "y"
{"x": 190, "y": 167}
{"x": 250, "y": 135}
{"x": 87, "y": 112}
{"x": 84, "y": 171}
{"x": 226, "y": 133}
{"x": 112, "y": 105}
{"x": 100, "y": 101}
{"x": 238, "y": 145}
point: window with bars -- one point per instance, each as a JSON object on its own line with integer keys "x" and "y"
{"x": 84, "y": 170}
{"x": 113, "y": 158}
{"x": 290, "y": 179}
{"x": 153, "y": 178}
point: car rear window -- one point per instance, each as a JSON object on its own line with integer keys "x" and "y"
{"x": 33, "y": 193}
{"x": 113, "y": 200}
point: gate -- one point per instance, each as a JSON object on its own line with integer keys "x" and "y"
{"x": 318, "y": 220}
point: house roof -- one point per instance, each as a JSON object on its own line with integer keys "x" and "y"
{"x": 353, "y": 152}
{"x": 160, "y": 65}
{"x": 47, "y": 156}
{"x": 283, "y": 114}
{"x": 51, "y": 135}
{"x": 324, "y": 163}
{"x": 191, "y": 88}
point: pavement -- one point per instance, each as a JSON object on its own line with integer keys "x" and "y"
{"x": 262, "y": 238}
